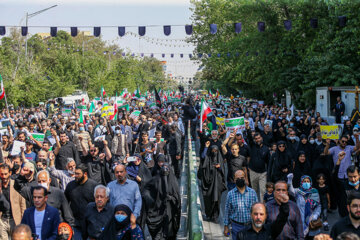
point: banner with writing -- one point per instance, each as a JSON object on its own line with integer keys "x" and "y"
{"x": 330, "y": 132}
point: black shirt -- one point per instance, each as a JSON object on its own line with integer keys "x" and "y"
{"x": 270, "y": 230}
{"x": 79, "y": 196}
{"x": 344, "y": 225}
{"x": 6, "y": 192}
{"x": 68, "y": 150}
{"x": 234, "y": 164}
{"x": 96, "y": 221}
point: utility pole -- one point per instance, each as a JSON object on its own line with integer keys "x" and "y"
{"x": 27, "y": 20}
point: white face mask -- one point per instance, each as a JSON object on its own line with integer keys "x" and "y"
{"x": 117, "y": 132}
{"x": 312, "y": 141}
{"x": 45, "y": 185}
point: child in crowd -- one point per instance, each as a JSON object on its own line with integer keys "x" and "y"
{"x": 269, "y": 195}
{"x": 323, "y": 190}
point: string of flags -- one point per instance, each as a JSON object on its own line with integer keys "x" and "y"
{"x": 161, "y": 42}
{"x": 181, "y": 55}
{"x": 238, "y": 27}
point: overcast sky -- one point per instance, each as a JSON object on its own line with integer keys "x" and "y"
{"x": 114, "y": 13}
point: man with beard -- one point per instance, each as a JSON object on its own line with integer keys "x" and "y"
{"x": 350, "y": 223}
{"x": 258, "y": 228}
{"x": 162, "y": 201}
{"x": 98, "y": 163}
{"x": 79, "y": 193}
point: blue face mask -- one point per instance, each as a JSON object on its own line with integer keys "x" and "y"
{"x": 354, "y": 184}
{"x": 82, "y": 129}
{"x": 306, "y": 185}
{"x": 120, "y": 217}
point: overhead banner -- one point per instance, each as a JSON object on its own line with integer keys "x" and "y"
{"x": 330, "y": 132}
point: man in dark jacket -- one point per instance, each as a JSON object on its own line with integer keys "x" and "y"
{"x": 339, "y": 109}
{"x": 174, "y": 149}
{"x": 45, "y": 214}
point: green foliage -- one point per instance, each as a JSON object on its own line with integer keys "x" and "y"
{"x": 298, "y": 60}
{"x": 50, "y": 71}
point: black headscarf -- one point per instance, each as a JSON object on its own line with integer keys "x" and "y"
{"x": 113, "y": 227}
{"x": 301, "y": 169}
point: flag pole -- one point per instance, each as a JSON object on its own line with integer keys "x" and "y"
{"x": 7, "y": 107}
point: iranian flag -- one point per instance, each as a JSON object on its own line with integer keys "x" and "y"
{"x": 137, "y": 93}
{"x": 114, "y": 117}
{"x": 81, "y": 118}
{"x": 102, "y": 92}
{"x": 210, "y": 93}
{"x": 205, "y": 110}
{"x": 92, "y": 107}
{"x": 217, "y": 93}
{"x": 2, "y": 93}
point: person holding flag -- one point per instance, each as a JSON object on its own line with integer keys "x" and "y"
{"x": 205, "y": 110}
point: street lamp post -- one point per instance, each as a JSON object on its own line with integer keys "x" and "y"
{"x": 30, "y": 16}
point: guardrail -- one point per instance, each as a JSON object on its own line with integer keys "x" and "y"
{"x": 194, "y": 210}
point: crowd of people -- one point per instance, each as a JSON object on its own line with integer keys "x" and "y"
{"x": 282, "y": 177}
{"x": 99, "y": 178}
{"x": 102, "y": 177}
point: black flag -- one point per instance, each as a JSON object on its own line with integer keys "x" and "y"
{"x": 157, "y": 97}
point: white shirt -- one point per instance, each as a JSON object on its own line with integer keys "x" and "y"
{"x": 38, "y": 219}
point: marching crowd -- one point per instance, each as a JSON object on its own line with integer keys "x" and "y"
{"x": 282, "y": 177}
{"x": 102, "y": 178}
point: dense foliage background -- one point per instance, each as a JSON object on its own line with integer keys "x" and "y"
{"x": 298, "y": 60}
{"x": 57, "y": 66}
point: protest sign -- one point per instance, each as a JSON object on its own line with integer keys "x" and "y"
{"x": 135, "y": 114}
{"x": 66, "y": 112}
{"x": 126, "y": 106}
{"x": 5, "y": 123}
{"x": 38, "y": 136}
{"x": 141, "y": 104}
{"x": 100, "y": 138}
{"x": 220, "y": 121}
{"x": 81, "y": 107}
{"x": 16, "y": 149}
{"x": 236, "y": 124}
{"x": 330, "y": 131}
{"x": 269, "y": 122}
{"x": 107, "y": 111}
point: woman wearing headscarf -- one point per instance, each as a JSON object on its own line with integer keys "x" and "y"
{"x": 163, "y": 203}
{"x": 212, "y": 172}
{"x": 306, "y": 147}
{"x": 281, "y": 163}
{"x": 122, "y": 226}
{"x": 308, "y": 202}
{"x": 65, "y": 232}
{"x": 302, "y": 167}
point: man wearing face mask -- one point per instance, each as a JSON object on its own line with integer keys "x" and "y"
{"x": 41, "y": 164}
{"x": 56, "y": 197}
{"x": 351, "y": 185}
{"x": 162, "y": 201}
{"x": 119, "y": 144}
{"x": 238, "y": 204}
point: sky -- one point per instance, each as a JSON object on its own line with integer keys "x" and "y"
{"x": 129, "y": 13}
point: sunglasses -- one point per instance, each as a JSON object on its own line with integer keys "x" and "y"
{"x": 93, "y": 150}
{"x": 344, "y": 141}
{"x": 281, "y": 146}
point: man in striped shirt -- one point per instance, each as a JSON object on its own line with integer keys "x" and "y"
{"x": 238, "y": 206}
{"x": 293, "y": 229}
